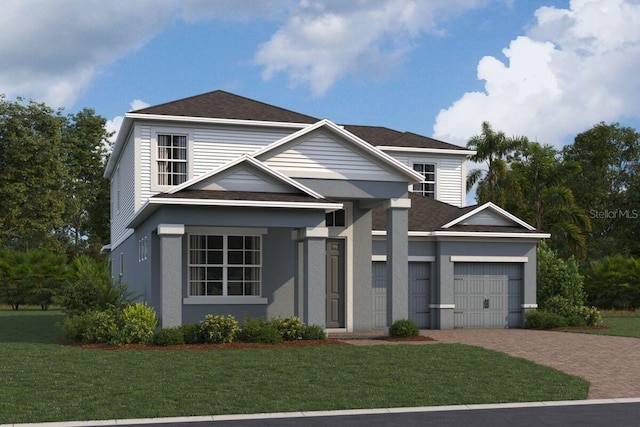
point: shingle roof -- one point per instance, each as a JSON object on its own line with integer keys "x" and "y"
{"x": 224, "y": 105}
{"x": 381, "y": 136}
{"x": 427, "y": 214}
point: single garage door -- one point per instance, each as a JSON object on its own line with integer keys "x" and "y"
{"x": 419, "y": 283}
{"x": 487, "y": 295}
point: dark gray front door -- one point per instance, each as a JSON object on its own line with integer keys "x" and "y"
{"x": 335, "y": 284}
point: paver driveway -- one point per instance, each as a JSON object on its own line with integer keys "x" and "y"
{"x": 610, "y": 364}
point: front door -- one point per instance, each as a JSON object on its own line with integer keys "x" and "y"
{"x": 335, "y": 284}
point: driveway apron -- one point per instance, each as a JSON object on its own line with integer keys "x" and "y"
{"x": 610, "y": 364}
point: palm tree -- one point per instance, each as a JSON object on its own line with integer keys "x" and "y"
{"x": 496, "y": 150}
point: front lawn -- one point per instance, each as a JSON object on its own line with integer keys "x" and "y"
{"x": 44, "y": 381}
{"x": 618, "y": 323}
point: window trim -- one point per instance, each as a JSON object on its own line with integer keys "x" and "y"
{"x": 174, "y": 131}
{"x": 424, "y": 181}
{"x": 225, "y": 297}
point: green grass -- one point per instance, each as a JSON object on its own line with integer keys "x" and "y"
{"x": 43, "y": 381}
{"x": 620, "y": 323}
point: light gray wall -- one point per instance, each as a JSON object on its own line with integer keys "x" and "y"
{"x": 356, "y": 189}
{"x": 362, "y": 290}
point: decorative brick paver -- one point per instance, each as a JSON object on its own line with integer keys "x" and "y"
{"x": 610, "y": 364}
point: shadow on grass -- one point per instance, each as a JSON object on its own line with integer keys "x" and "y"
{"x": 27, "y": 326}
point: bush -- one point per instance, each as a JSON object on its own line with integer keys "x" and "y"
{"x": 259, "y": 330}
{"x": 614, "y": 283}
{"x": 557, "y": 277}
{"x": 219, "y": 329}
{"x": 138, "y": 322}
{"x": 74, "y": 326}
{"x": 168, "y": 336}
{"x": 192, "y": 333}
{"x": 403, "y": 328}
{"x": 559, "y": 305}
{"x": 314, "y": 332}
{"x": 590, "y": 315}
{"x": 540, "y": 319}
{"x": 90, "y": 287}
{"x": 102, "y": 326}
{"x": 290, "y": 328}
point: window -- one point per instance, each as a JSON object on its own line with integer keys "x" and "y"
{"x": 428, "y": 186}
{"x": 224, "y": 265}
{"x": 335, "y": 218}
{"x": 117, "y": 189}
{"x": 143, "y": 249}
{"x": 172, "y": 159}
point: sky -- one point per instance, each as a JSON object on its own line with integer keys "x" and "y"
{"x": 545, "y": 69}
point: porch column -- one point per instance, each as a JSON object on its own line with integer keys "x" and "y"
{"x": 397, "y": 259}
{"x": 315, "y": 284}
{"x": 170, "y": 310}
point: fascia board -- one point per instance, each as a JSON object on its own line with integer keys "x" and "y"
{"x": 468, "y": 234}
{"x": 211, "y": 120}
{"x": 494, "y": 208}
{"x": 465, "y": 153}
{"x": 118, "y": 145}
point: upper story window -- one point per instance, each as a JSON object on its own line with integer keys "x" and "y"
{"x": 336, "y": 218}
{"x": 428, "y": 185}
{"x": 172, "y": 159}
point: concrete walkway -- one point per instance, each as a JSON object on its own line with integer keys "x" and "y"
{"x": 610, "y": 364}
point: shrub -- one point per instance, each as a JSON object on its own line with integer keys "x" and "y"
{"x": 259, "y": 330}
{"x": 557, "y": 277}
{"x": 75, "y": 326}
{"x": 138, "y": 322}
{"x": 559, "y": 305}
{"x": 219, "y": 329}
{"x": 403, "y": 328}
{"x": 101, "y": 326}
{"x": 192, "y": 333}
{"x": 290, "y": 328}
{"x": 590, "y": 315}
{"x": 168, "y": 336}
{"x": 614, "y": 283}
{"x": 314, "y": 332}
{"x": 541, "y": 319}
{"x": 90, "y": 287}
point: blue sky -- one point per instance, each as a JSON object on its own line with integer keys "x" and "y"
{"x": 545, "y": 69}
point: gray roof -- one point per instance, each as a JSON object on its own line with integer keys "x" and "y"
{"x": 224, "y": 105}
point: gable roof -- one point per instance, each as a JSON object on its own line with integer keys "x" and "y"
{"x": 224, "y": 105}
{"x": 380, "y": 156}
{"x": 428, "y": 216}
{"x": 251, "y": 162}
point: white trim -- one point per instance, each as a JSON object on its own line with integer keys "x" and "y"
{"x": 494, "y": 208}
{"x": 362, "y": 144}
{"x": 214, "y": 300}
{"x": 426, "y": 150}
{"x": 468, "y": 234}
{"x": 170, "y": 229}
{"x": 443, "y": 306}
{"x": 226, "y": 230}
{"x": 258, "y": 165}
{"x": 528, "y": 305}
{"x": 397, "y": 203}
{"x": 410, "y": 258}
{"x": 210, "y": 120}
{"x": 319, "y": 232}
{"x": 464, "y": 258}
{"x": 246, "y": 203}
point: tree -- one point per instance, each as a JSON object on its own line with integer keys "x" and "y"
{"x": 495, "y": 149}
{"x": 86, "y": 216}
{"x": 31, "y": 174}
{"x": 608, "y": 186}
{"x": 545, "y": 201}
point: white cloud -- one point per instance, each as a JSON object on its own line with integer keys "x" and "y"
{"x": 575, "y": 67}
{"x": 323, "y": 41}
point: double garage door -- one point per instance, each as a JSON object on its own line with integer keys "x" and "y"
{"x": 419, "y": 283}
{"x": 486, "y": 295}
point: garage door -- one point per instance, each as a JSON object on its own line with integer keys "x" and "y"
{"x": 419, "y": 281}
{"x": 487, "y": 295}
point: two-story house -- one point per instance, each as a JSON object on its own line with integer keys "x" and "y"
{"x": 222, "y": 204}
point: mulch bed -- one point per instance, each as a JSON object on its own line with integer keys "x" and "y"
{"x": 418, "y": 338}
{"x": 582, "y": 328}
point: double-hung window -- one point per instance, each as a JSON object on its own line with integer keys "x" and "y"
{"x": 172, "y": 159}
{"x": 224, "y": 265}
{"x": 427, "y": 187}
